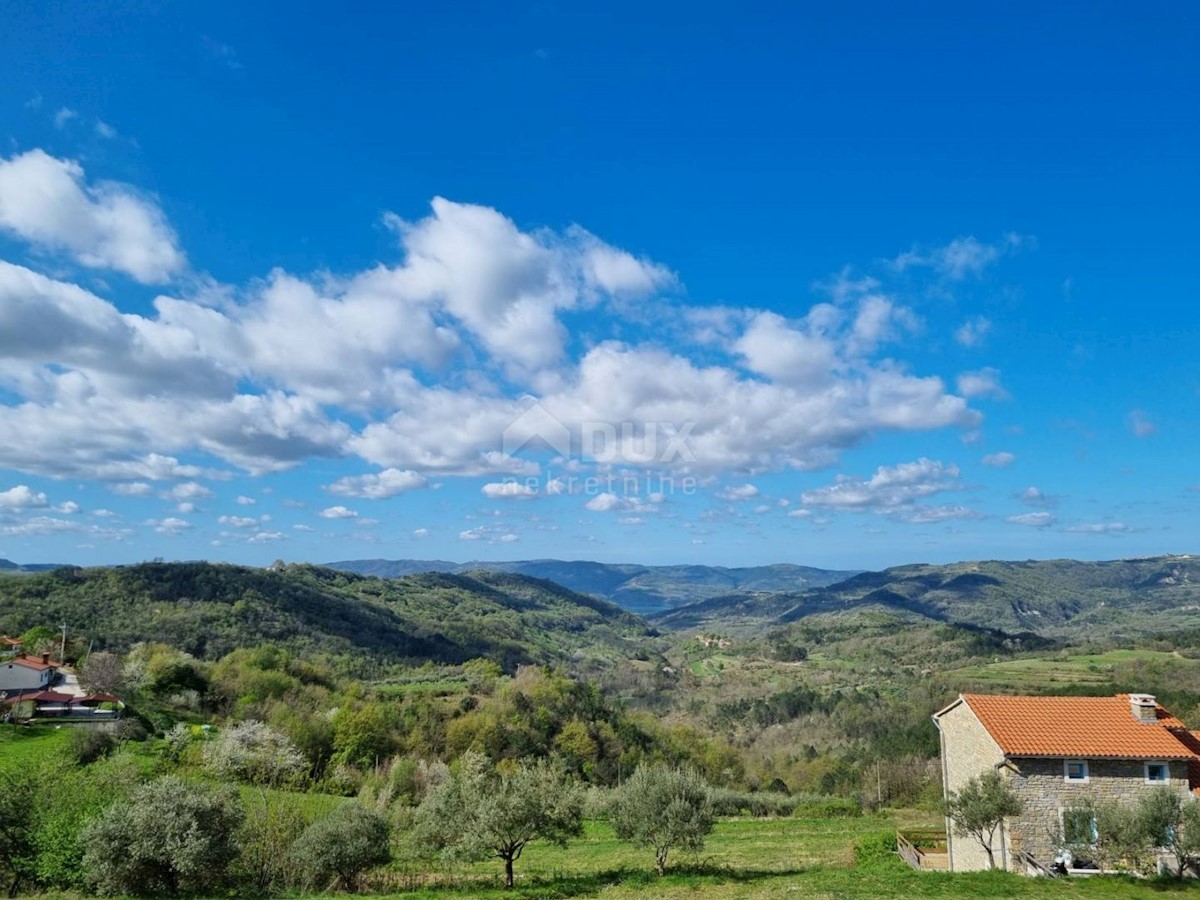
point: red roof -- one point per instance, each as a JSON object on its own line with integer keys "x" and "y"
{"x": 12, "y": 642}
{"x": 1078, "y": 727}
{"x": 43, "y": 697}
{"x": 33, "y": 662}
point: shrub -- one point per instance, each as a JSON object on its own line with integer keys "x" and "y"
{"x": 727, "y": 802}
{"x": 875, "y": 848}
{"x": 254, "y": 752}
{"x": 171, "y": 837}
{"x": 87, "y": 744}
{"x": 335, "y": 851}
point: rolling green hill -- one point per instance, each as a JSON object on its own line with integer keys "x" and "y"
{"x": 209, "y": 610}
{"x": 1054, "y": 598}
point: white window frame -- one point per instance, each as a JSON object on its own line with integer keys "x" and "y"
{"x": 1156, "y": 762}
{"x": 1067, "y": 771}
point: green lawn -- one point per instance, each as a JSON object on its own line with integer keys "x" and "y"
{"x": 20, "y": 744}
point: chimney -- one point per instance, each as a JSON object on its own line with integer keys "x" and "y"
{"x": 45, "y": 659}
{"x": 1144, "y": 708}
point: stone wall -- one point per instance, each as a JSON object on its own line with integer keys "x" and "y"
{"x": 968, "y": 750}
{"x": 1045, "y": 793}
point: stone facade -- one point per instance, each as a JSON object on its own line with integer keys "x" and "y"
{"x": 968, "y": 750}
{"x": 1045, "y": 793}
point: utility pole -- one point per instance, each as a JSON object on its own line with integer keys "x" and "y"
{"x": 62, "y": 650}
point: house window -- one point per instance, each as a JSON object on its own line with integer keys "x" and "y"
{"x": 1075, "y": 770}
{"x": 1157, "y": 773}
{"x": 1079, "y": 827}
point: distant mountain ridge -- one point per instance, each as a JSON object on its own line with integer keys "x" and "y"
{"x": 1055, "y": 598}
{"x": 640, "y": 589}
{"x": 7, "y": 565}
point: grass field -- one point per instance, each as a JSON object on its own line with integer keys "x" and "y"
{"x": 20, "y": 744}
{"x": 1045, "y": 672}
{"x": 754, "y": 858}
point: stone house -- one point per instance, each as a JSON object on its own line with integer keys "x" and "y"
{"x": 1059, "y": 753}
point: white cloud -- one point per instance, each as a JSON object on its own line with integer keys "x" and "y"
{"x": 984, "y": 383}
{"x": 419, "y": 368}
{"x": 246, "y": 501}
{"x": 22, "y": 497}
{"x": 973, "y": 331}
{"x": 337, "y": 512}
{"x": 1141, "y": 425}
{"x": 302, "y": 528}
{"x": 1033, "y": 520}
{"x": 188, "y": 490}
{"x": 923, "y": 515}
{"x": 508, "y": 490}
{"x": 63, "y": 116}
{"x": 738, "y": 492}
{"x": 104, "y": 130}
{"x": 420, "y": 532}
{"x": 1001, "y": 460}
{"x": 378, "y": 486}
{"x": 893, "y": 491}
{"x": 608, "y": 501}
{"x": 106, "y": 225}
{"x": 170, "y": 525}
{"x": 133, "y": 489}
{"x": 1099, "y": 528}
{"x": 489, "y": 534}
{"x": 266, "y": 537}
{"x": 70, "y": 507}
{"x": 1034, "y": 496}
{"x": 238, "y": 521}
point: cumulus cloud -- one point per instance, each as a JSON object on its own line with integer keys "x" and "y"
{"x": 961, "y": 258}
{"x": 893, "y": 491}
{"x": 984, "y": 383}
{"x": 170, "y": 525}
{"x": 238, "y": 521}
{"x": 1001, "y": 460}
{"x": 1033, "y": 520}
{"x": 22, "y": 497}
{"x": 488, "y": 534}
{"x": 508, "y": 490}
{"x": 337, "y": 512}
{"x": 378, "y": 485}
{"x": 419, "y": 367}
{"x": 47, "y": 202}
{"x": 1035, "y": 496}
{"x": 737, "y": 492}
{"x": 246, "y": 501}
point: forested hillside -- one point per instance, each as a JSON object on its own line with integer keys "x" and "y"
{"x": 640, "y": 589}
{"x": 209, "y": 609}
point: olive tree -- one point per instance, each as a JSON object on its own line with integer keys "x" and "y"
{"x": 980, "y": 808}
{"x": 336, "y": 850}
{"x": 170, "y": 837}
{"x": 663, "y": 807}
{"x": 475, "y": 812}
{"x": 1171, "y": 819}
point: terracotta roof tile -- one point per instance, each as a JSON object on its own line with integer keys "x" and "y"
{"x": 1082, "y": 727}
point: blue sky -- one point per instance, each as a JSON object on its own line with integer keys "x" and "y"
{"x": 845, "y": 286}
